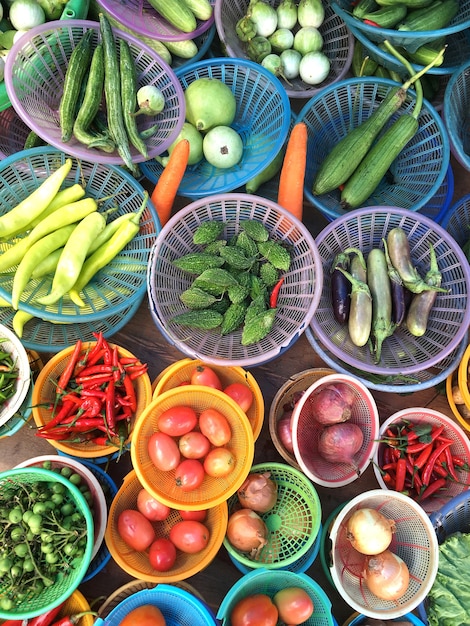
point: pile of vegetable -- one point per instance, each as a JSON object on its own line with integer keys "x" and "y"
{"x": 291, "y": 605}
{"x": 236, "y": 282}
{"x": 417, "y": 459}
{"x": 376, "y": 295}
{"x": 286, "y": 40}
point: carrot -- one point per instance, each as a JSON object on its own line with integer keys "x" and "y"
{"x": 291, "y": 182}
{"x": 166, "y": 188}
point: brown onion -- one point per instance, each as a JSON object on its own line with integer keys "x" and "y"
{"x": 369, "y": 531}
{"x": 247, "y": 532}
{"x": 386, "y": 574}
{"x": 258, "y": 492}
{"x": 339, "y": 443}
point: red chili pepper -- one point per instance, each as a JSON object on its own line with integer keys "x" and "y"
{"x": 66, "y": 409}
{"x": 417, "y": 447}
{"x": 432, "y": 461}
{"x": 15, "y": 622}
{"x": 420, "y": 461}
{"x": 96, "y": 369}
{"x": 450, "y": 464}
{"x": 109, "y": 405}
{"x": 129, "y": 360}
{"x": 416, "y": 482}
{"x": 400, "y": 474}
{"x": 130, "y": 392}
{"x": 102, "y": 441}
{"x": 275, "y": 293}
{"x": 71, "y": 620}
{"x": 118, "y": 369}
{"x": 137, "y": 373}
{"x": 97, "y": 351}
{"x": 46, "y": 618}
{"x": 107, "y": 356}
{"x": 96, "y": 379}
{"x": 431, "y": 489}
{"x": 90, "y": 406}
{"x": 460, "y": 463}
{"x": 370, "y": 23}
{"x": 64, "y": 378}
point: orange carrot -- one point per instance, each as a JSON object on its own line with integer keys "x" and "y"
{"x": 166, "y": 188}
{"x": 291, "y": 182}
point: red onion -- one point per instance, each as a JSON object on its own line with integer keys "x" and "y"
{"x": 247, "y": 532}
{"x": 387, "y": 576}
{"x": 339, "y": 443}
{"x": 258, "y": 492}
{"x": 330, "y": 406}
{"x": 369, "y": 531}
{"x": 284, "y": 431}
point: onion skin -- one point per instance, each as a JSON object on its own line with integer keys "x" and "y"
{"x": 387, "y": 576}
{"x": 247, "y": 532}
{"x": 369, "y": 531}
{"x": 330, "y": 406}
{"x": 258, "y": 492}
{"x": 338, "y": 443}
{"x": 284, "y": 431}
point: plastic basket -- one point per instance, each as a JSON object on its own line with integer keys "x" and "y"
{"x": 284, "y": 400}
{"x": 338, "y": 43}
{"x": 162, "y": 484}
{"x": 293, "y": 523}
{"x": 394, "y": 383}
{"x": 414, "y": 541}
{"x": 13, "y": 132}
{"x": 416, "y": 174}
{"x": 63, "y": 587}
{"x": 306, "y": 432}
{"x": 137, "y": 564}
{"x": 460, "y": 448}
{"x": 77, "y": 603}
{"x": 356, "y": 620}
{"x": 457, "y": 220}
{"x": 298, "y": 296}
{"x": 139, "y": 16}
{"x": 270, "y": 582}
{"x": 402, "y": 353}
{"x": 34, "y": 77}
{"x": 177, "y": 605}
{"x": 410, "y": 40}
{"x": 262, "y": 120}
{"x": 455, "y": 114}
{"x": 44, "y": 394}
{"x": 180, "y": 372}
{"x": 118, "y": 285}
{"x": 463, "y": 376}
{"x": 10, "y": 344}
{"x": 459, "y": 411}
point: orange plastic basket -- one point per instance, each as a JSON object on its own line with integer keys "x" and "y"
{"x": 162, "y": 484}
{"x": 44, "y": 394}
{"x": 137, "y": 563}
{"x": 180, "y": 372}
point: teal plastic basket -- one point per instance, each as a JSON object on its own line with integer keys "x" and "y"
{"x": 456, "y": 114}
{"x": 270, "y": 582}
{"x": 411, "y": 40}
{"x": 262, "y": 120}
{"x": 416, "y": 174}
{"x": 457, "y": 220}
{"x": 177, "y": 605}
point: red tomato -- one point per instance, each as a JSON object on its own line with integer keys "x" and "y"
{"x": 294, "y": 604}
{"x": 203, "y": 375}
{"x": 189, "y": 474}
{"x": 163, "y": 451}
{"x": 135, "y": 529}
{"x": 189, "y": 536}
{"x": 214, "y": 425}
{"x": 144, "y": 615}
{"x": 254, "y": 610}
{"x": 149, "y": 506}
{"x": 220, "y": 462}
{"x": 177, "y": 421}
{"x": 198, "y": 516}
{"x": 162, "y": 554}
{"x": 194, "y": 445}
{"x": 242, "y": 395}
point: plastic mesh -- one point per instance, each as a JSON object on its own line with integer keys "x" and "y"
{"x": 262, "y": 120}
{"x": 13, "y": 132}
{"x": 34, "y": 77}
{"x": 457, "y": 220}
{"x": 402, "y": 353}
{"x": 415, "y": 175}
{"x": 338, "y": 43}
{"x": 456, "y": 114}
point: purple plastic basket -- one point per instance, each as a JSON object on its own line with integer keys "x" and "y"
{"x": 402, "y": 353}
{"x": 141, "y": 17}
{"x": 34, "y": 77}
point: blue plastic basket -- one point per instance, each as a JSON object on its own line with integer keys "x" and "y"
{"x": 122, "y": 282}
{"x": 262, "y": 119}
{"x": 456, "y": 114}
{"x": 408, "y": 617}
{"x": 177, "y": 605}
{"x": 411, "y": 40}
{"x": 416, "y": 174}
{"x": 457, "y": 220}
{"x": 270, "y": 582}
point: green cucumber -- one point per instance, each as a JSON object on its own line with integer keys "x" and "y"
{"x": 177, "y": 13}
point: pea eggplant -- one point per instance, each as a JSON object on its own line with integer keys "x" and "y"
{"x": 422, "y": 303}
{"x": 381, "y": 294}
{"x": 360, "y": 310}
{"x": 340, "y": 288}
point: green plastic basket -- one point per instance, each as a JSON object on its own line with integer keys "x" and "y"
{"x": 293, "y": 522}
{"x": 64, "y": 585}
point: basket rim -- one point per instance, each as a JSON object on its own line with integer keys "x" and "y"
{"x": 454, "y": 210}
{"x": 433, "y": 227}
{"x": 24, "y": 383}
{"x": 81, "y": 151}
{"x": 462, "y": 421}
{"x": 178, "y": 218}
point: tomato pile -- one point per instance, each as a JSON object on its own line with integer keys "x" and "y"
{"x": 291, "y": 605}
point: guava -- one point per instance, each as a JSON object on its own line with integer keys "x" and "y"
{"x": 191, "y": 133}
{"x": 223, "y": 147}
{"x": 209, "y": 103}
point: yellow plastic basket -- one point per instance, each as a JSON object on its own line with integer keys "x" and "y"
{"x": 44, "y": 394}
{"x": 451, "y": 380}
{"x": 162, "y": 484}
{"x": 463, "y": 376}
{"x": 77, "y": 603}
{"x": 180, "y": 372}
{"x": 137, "y": 564}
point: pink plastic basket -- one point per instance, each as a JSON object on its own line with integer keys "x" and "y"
{"x": 13, "y": 132}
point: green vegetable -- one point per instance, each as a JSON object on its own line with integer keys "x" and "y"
{"x": 195, "y": 298}
{"x": 197, "y": 262}
{"x": 257, "y": 327}
{"x": 8, "y": 375}
{"x": 177, "y": 13}
{"x": 387, "y": 16}
{"x": 208, "y": 232}
{"x": 432, "y": 17}
{"x": 275, "y": 253}
{"x": 129, "y": 97}
{"x": 206, "y": 319}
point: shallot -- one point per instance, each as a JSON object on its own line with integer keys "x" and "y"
{"x": 339, "y": 443}
{"x": 284, "y": 431}
{"x": 331, "y": 405}
{"x": 387, "y": 575}
{"x": 369, "y": 531}
{"x": 247, "y": 532}
{"x": 258, "y": 492}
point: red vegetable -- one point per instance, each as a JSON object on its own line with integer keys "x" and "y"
{"x": 284, "y": 431}
{"x": 71, "y": 620}
{"x": 330, "y": 405}
{"x": 339, "y": 443}
{"x": 45, "y": 619}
